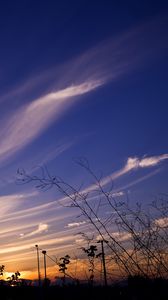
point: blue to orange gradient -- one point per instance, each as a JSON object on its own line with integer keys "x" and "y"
{"x": 77, "y": 80}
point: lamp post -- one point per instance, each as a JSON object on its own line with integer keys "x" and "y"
{"x": 38, "y": 264}
{"x": 103, "y": 260}
{"x": 45, "y": 273}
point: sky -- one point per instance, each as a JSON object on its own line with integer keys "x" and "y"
{"x": 78, "y": 79}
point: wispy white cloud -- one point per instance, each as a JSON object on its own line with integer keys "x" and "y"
{"x": 10, "y": 202}
{"x": 140, "y": 179}
{"x": 47, "y": 154}
{"x": 152, "y": 161}
{"x": 118, "y": 194}
{"x": 21, "y": 224}
{"x": 118, "y": 236}
{"x": 53, "y": 153}
{"x": 30, "y": 120}
{"x": 107, "y": 61}
{"x": 121, "y": 236}
{"x": 34, "y": 211}
{"x": 75, "y": 224}
{"x": 42, "y": 227}
{"x": 161, "y": 222}
{"x": 49, "y": 240}
{"x": 145, "y": 162}
{"x": 133, "y": 164}
{"x": 42, "y": 242}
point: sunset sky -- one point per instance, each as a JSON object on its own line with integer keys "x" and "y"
{"x": 78, "y": 79}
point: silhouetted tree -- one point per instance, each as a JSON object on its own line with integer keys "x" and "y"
{"x": 137, "y": 238}
{"x": 91, "y": 254}
{"x": 13, "y": 280}
{"x": 63, "y": 262}
{"x": 2, "y": 267}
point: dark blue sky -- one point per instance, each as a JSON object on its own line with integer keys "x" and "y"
{"x": 80, "y": 78}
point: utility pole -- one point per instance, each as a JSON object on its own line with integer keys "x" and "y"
{"x": 38, "y": 264}
{"x": 103, "y": 261}
{"x": 45, "y": 273}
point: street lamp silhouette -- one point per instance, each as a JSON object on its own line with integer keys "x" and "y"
{"x": 103, "y": 260}
{"x": 45, "y": 273}
{"x": 38, "y": 264}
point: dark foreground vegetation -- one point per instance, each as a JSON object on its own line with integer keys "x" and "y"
{"x": 136, "y": 289}
{"x": 133, "y": 239}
